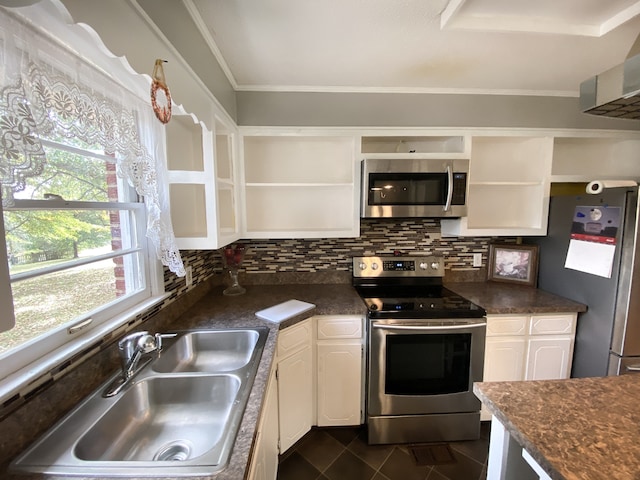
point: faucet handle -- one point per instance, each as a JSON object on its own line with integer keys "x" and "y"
{"x": 160, "y": 336}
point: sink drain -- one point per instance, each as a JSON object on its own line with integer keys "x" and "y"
{"x": 173, "y": 452}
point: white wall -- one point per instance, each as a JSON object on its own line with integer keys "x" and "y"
{"x": 126, "y": 31}
{"x": 417, "y": 110}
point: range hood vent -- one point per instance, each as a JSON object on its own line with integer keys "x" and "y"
{"x": 616, "y": 92}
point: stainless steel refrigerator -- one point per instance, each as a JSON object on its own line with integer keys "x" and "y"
{"x": 608, "y": 333}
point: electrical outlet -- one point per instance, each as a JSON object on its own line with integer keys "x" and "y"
{"x": 189, "y": 276}
{"x": 477, "y": 259}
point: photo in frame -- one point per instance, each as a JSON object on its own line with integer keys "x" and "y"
{"x": 513, "y": 263}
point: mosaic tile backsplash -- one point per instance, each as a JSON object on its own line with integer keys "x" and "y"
{"x": 377, "y": 237}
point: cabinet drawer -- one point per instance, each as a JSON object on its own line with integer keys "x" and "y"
{"x": 507, "y": 325}
{"x": 293, "y": 339}
{"x": 554, "y": 324}
{"x": 330, "y": 327}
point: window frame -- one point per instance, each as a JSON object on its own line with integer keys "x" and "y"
{"x": 25, "y": 363}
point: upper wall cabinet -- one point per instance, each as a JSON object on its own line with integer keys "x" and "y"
{"x": 582, "y": 159}
{"x": 508, "y": 190}
{"x": 300, "y": 186}
{"x": 422, "y": 146}
{"x": 202, "y": 183}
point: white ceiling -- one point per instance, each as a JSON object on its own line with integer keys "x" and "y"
{"x": 536, "y": 47}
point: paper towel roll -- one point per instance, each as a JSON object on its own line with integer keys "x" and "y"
{"x": 597, "y": 186}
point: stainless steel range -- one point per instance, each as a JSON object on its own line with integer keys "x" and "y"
{"x": 425, "y": 350}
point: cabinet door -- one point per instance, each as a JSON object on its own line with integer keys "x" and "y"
{"x": 270, "y": 431}
{"x": 264, "y": 463}
{"x": 295, "y": 397}
{"x": 339, "y": 383}
{"x": 504, "y": 359}
{"x": 549, "y": 358}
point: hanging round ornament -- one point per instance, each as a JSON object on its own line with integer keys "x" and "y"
{"x": 163, "y": 112}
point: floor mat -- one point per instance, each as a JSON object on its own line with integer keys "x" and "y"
{"x": 434, "y": 454}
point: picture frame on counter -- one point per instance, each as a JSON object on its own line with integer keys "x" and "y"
{"x": 513, "y": 263}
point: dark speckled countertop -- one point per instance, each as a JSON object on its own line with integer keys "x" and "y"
{"x": 581, "y": 428}
{"x": 504, "y": 298}
{"x": 215, "y": 310}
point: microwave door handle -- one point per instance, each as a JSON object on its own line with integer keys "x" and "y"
{"x": 447, "y": 205}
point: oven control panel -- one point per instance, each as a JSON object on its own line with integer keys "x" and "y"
{"x": 395, "y": 266}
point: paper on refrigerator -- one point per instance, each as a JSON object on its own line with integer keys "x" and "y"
{"x": 593, "y": 239}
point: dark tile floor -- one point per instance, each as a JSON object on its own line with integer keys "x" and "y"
{"x": 343, "y": 454}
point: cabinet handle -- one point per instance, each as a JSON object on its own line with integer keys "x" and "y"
{"x": 633, "y": 368}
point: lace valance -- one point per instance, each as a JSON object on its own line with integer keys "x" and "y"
{"x": 39, "y": 101}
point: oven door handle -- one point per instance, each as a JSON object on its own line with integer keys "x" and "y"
{"x": 447, "y": 205}
{"x": 428, "y": 327}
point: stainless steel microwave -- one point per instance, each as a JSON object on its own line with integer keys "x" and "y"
{"x": 414, "y": 188}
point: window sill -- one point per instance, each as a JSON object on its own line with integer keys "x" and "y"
{"x": 32, "y": 376}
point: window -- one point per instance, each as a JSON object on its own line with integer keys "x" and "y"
{"x": 84, "y": 200}
{"x": 76, "y": 249}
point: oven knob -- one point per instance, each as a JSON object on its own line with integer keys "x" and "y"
{"x": 374, "y": 266}
{"x": 362, "y": 266}
{"x": 435, "y": 265}
{"x": 423, "y": 266}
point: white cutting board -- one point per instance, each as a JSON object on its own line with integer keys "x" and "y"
{"x": 284, "y": 310}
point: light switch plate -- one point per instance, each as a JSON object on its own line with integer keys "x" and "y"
{"x": 477, "y": 259}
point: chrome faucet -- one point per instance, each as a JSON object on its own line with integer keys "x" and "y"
{"x": 131, "y": 349}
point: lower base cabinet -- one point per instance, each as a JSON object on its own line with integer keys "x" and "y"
{"x": 317, "y": 379}
{"x": 528, "y": 347}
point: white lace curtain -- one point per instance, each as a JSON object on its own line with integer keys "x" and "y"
{"x": 47, "y": 91}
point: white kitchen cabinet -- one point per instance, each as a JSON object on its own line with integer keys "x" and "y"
{"x": 420, "y": 145}
{"x": 528, "y": 347}
{"x": 300, "y": 186}
{"x": 295, "y": 383}
{"x": 508, "y": 187}
{"x": 596, "y": 156}
{"x": 264, "y": 462}
{"x": 202, "y": 172}
{"x": 339, "y": 370}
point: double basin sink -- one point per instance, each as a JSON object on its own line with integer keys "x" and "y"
{"x": 179, "y": 415}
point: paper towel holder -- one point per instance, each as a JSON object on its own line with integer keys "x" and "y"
{"x": 597, "y": 186}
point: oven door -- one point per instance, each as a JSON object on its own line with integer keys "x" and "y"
{"x": 424, "y": 366}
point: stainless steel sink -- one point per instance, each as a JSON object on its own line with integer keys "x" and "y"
{"x": 163, "y": 419}
{"x": 208, "y": 351}
{"x": 178, "y": 419}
